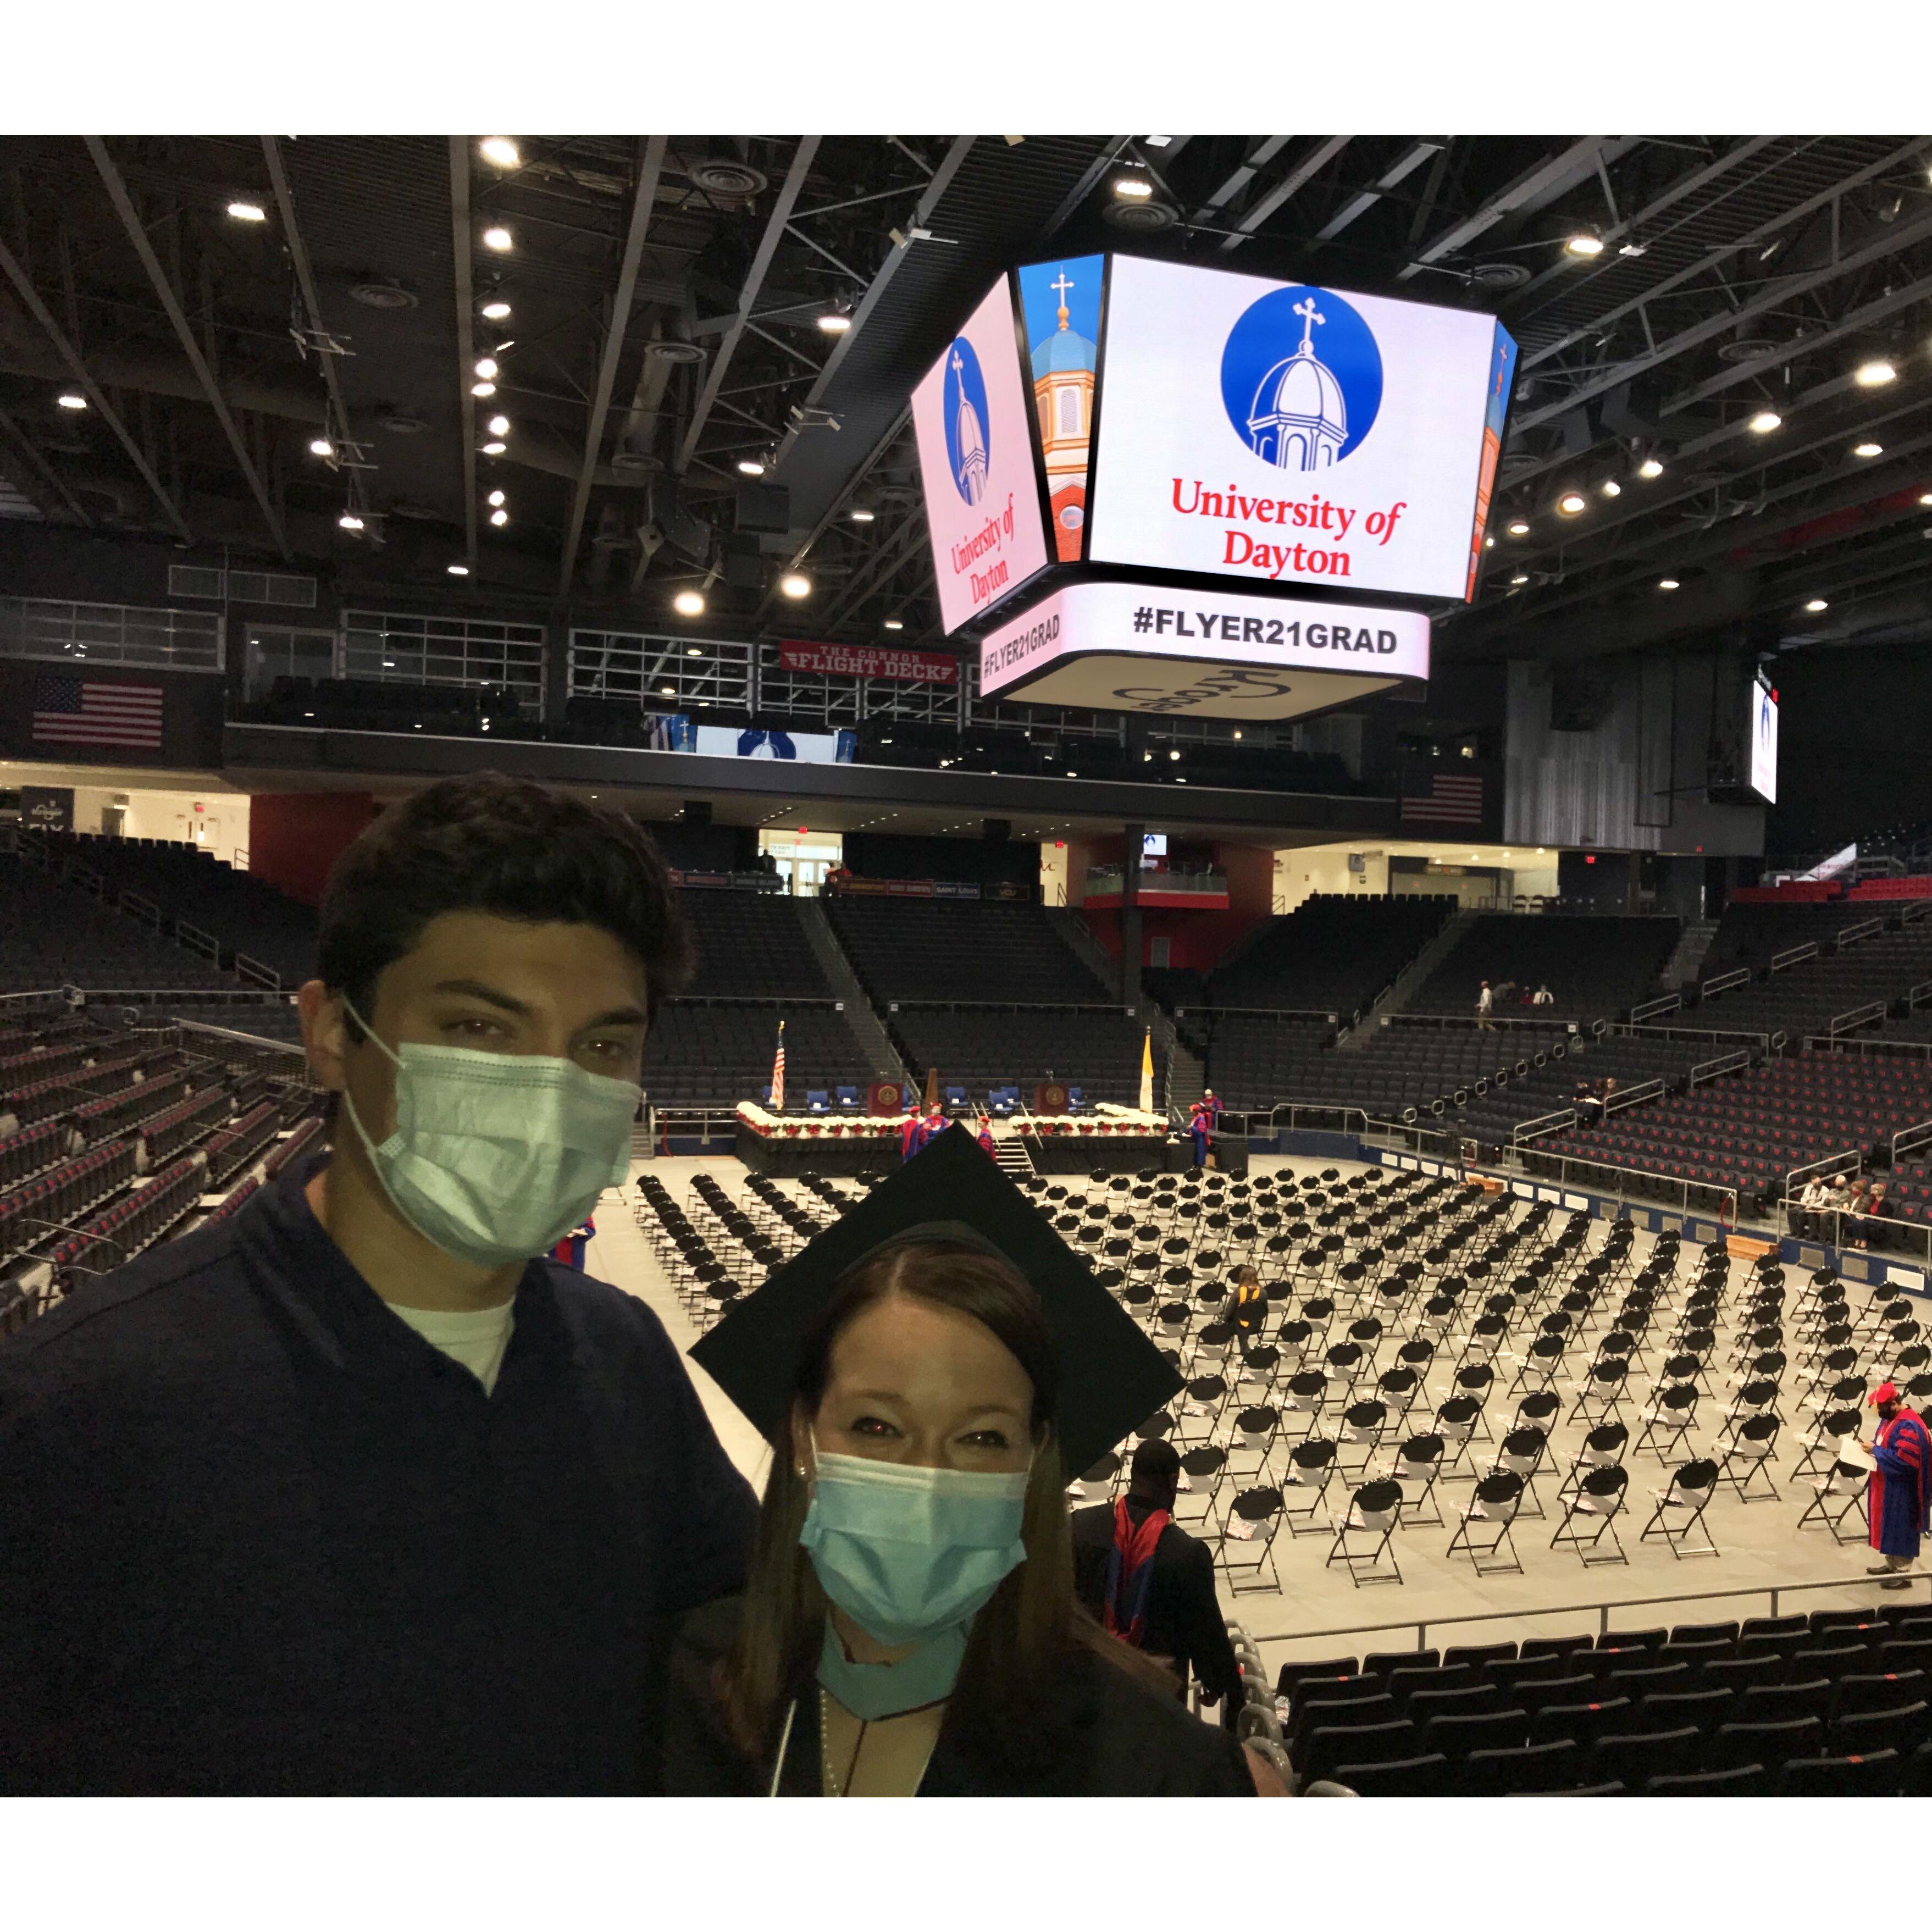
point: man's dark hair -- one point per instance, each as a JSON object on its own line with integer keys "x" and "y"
{"x": 490, "y": 844}
{"x": 1155, "y": 1468}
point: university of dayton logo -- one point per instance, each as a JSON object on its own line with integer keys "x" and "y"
{"x": 1301, "y": 379}
{"x": 967, "y": 448}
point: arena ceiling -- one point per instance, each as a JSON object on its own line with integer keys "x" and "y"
{"x": 674, "y": 307}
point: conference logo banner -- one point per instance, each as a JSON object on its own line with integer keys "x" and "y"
{"x": 870, "y": 660}
{"x": 1163, "y": 651}
{"x": 976, "y": 472}
{"x": 1293, "y": 433}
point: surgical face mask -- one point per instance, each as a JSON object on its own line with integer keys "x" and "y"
{"x": 907, "y": 1553}
{"x": 497, "y": 1156}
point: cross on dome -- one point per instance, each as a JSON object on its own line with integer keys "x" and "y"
{"x": 1060, "y": 288}
{"x": 1310, "y": 315}
{"x": 958, "y": 362}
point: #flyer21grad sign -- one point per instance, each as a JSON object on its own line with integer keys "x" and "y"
{"x": 971, "y": 416}
{"x": 1287, "y": 434}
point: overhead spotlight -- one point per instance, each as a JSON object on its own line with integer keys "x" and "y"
{"x": 1649, "y": 469}
{"x": 694, "y": 650}
{"x": 500, "y": 239}
{"x": 895, "y": 624}
{"x": 486, "y": 368}
{"x": 1666, "y": 583}
{"x": 1489, "y": 543}
{"x": 1133, "y": 188}
{"x": 1518, "y": 528}
{"x": 1572, "y": 503}
{"x": 1874, "y": 374}
{"x": 1868, "y": 449}
{"x": 498, "y": 311}
{"x": 482, "y": 390}
{"x": 71, "y": 399}
{"x": 499, "y": 517}
{"x": 247, "y": 210}
{"x": 1764, "y": 422}
{"x": 498, "y": 425}
{"x": 750, "y": 465}
{"x": 861, "y": 515}
{"x": 1612, "y": 487}
{"x": 1585, "y": 242}
{"x": 320, "y": 445}
{"x": 494, "y": 449}
{"x": 495, "y": 499}
{"x": 1175, "y": 756}
{"x": 499, "y": 151}
{"x": 1817, "y": 604}
{"x": 1927, "y": 499}
{"x": 688, "y": 603}
{"x": 1519, "y": 578}
{"x": 458, "y": 569}
{"x": 349, "y": 520}
{"x": 795, "y": 584}
{"x": 666, "y": 690}
{"x": 835, "y": 322}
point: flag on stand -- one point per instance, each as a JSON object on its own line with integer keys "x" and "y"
{"x": 1147, "y": 1072}
{"x": 777, "y": 1073}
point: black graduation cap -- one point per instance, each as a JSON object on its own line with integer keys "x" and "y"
{"x": 1112, "y": 1377}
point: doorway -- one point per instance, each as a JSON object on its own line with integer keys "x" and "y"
{"x": 803, "y": 858}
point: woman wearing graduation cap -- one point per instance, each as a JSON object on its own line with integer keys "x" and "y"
{"x": 925, "y": 1371}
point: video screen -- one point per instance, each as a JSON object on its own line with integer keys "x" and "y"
{"x": 1764, "y": 741}
{"x": 1153, "y": 844}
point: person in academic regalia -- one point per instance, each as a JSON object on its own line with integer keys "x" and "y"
{"x": 986, "y": 1138}
{"x": 1247, "y": 1307}
{"x": 909, "y": 1626}
{"x": 921, "y": 1131}
{"x": 1901, "y": 1489}
{"x": 1152, "y": 1585}
{"x": 1203, "y": 1117}
{"x": 569, "y": 1249}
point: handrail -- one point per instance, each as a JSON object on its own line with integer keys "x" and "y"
{"x": 1917, "y": 996}
{"x": 1603, "y": 1164}
{"x": 1905, "y": 1140}
{"x": 1421, "y": 1625}
{"x": 1712, "y": 1069}
{"x": 1794, "y": 956}
{"x": 1832, "y": 1163}
{"x": 1917, "y": 909}
{"x": 1542, "y": 1124}
{"x": 1911, "y": 1049}
{"x": 1854, "y": 1018}
{"x": 1722, "y": 982}
{"x": 1762, "y": 1039}
{"x": 1849, "y": 935}
{"x": 142, "y": 907}
{"x": 197, "y": 941}
{"x": 253, "y": 969}
{"x": 1628, "y": 1096}
{"x": 1669, "y": 1003}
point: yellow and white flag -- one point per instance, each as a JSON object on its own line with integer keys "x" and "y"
{"x": 1147, "y": 1072}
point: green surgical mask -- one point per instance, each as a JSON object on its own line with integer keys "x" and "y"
{"x": 497, "y": 1156}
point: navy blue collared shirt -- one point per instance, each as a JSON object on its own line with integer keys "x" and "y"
{"x": 257, "y": 1536}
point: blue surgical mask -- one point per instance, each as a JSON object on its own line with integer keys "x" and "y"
{"x": 497, "y": 1156}
{"x": 909, "y": 1553}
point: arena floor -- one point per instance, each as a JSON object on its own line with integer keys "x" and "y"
{"x": 1319, "y": 1612}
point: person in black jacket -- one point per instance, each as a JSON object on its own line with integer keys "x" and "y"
{"x": 909, "y": 1626}
{"x": 357, "y": 1491}
{"x": 1151, "y": 1584}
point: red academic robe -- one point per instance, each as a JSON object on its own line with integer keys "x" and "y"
{"x": 1901, "y": 1490}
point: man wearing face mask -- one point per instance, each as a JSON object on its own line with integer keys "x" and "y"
{"x": 359, "y": 1491}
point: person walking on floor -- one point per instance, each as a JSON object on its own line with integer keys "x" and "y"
{"x": 1900, "y": 1491}
{"x": 1485, "y": 1002}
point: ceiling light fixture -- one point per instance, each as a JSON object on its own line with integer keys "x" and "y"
{"x": 247, "y": 210}
{"x": 1585, "y": 242}
{"x": 835, "y": 322}
{"x": 1612, "y": 487}
{"x": 895, "y": 624}
{"x": 795, "y": 584}
{"x": 499, "y": 151}
{"x": 320, "y": 445}
{"x": 498, "y": 311}
{"x": 349, "y": 520}
{"x": 1927, "y": 499}
{"x": 486, "y": 368}
{"x": 862, "y": 516}
{"x": 71, "y": 399}
{"x": 1868, "y": 449}
{"x": 494, "y": 449}
{"x": 458, "y": 569}
{"x": 688, "y": 603}
{"x": 1874, "y": 374}
{"x": 1519, "y": 578}
{"x": 499, "y": 517}
{"x": 495, "y": 499}
{"x": 1650, "y": 468}
{"x": 500, "y": 239}
{"x": 1519, "y": 528}
{"x": 750, "y": 465}
{"x": 1572, "y": 503}
{"x": 498, "y": 425}
{"x": 694, "y": 650}
{"x": 1666, "y": 583}
{"x": 482, "y": 390}
{"x": 1133, "y": 188}
{"x": 1764, "y": 422}
{"x": 1817, "y": 604}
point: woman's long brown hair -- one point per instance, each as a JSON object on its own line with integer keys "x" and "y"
{"x": 999, "y": 1709}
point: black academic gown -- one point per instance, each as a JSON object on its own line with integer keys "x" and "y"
{"x": 1184, "y": 1612}
{"x": 1121, "y": 1740}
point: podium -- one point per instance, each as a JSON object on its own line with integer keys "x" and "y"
{"x": 1050, "y": 1097}
{"x": 885, "y": 1099}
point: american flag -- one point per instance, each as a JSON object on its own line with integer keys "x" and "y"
{"x": 1449, "y": 800}
{"x": 777, "y": 1073}
{"x": 87, "y": 711}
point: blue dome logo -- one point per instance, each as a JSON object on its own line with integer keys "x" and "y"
{"x": 968, "y": 444}
{"x": 1301, "y": 379}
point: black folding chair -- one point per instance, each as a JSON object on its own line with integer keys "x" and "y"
{"x": 1671, "y": 1418}
{"x": 1749, "y": 1456}
{"x": 1492, "y": 1509}
{"x": 1590, "y": 1514}
{"x": 1373, "y": 1514}
{"x": 1680, "y": 1509}
{"x": 1245, "y": 1548}
{"x": 1417, "y": 1463}
{"x": 1840, "y": 1494}
{"x": 1311, "y": 1468}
